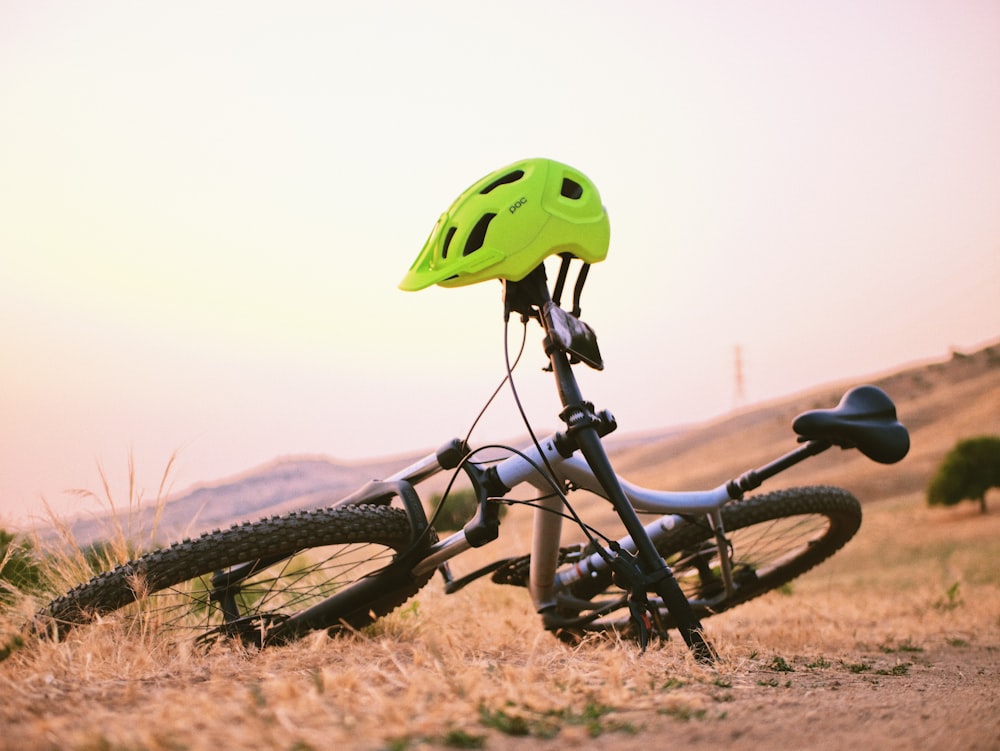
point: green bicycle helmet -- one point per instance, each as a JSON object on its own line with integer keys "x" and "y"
{"x": 506, "y": 224}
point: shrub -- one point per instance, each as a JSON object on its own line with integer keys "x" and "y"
{"x": 967, "y": 472}
{"x": 459, "y": 507}
{"x": 20, "y": 570}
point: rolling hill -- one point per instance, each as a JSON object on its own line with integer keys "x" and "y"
{"x": 939, "y": 401}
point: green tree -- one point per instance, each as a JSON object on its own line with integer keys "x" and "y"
{"x": 970, "y": 469}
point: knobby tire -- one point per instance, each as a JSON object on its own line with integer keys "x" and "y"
{"x": 307, "y": 557}
{"x": 775, "y": 537}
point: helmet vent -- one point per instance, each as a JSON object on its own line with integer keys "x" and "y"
{"x": 447, "y": 241}
{"x": 478, "y": 234}
{"x": 571, "y": 189}
{"x": 510, "y": 177}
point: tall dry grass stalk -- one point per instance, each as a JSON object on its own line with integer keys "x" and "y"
{"x": 64, "y": 563}
{"x": 69, "y": 563}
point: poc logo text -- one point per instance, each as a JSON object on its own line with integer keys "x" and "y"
{"x": 517, "y": 204}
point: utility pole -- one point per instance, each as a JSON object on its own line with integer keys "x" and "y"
{"x": 739, "y": 392}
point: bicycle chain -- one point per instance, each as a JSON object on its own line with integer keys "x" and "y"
{"x": 515, "y": 571}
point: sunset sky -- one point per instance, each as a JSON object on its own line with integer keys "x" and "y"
{"x": 205, "y": 209}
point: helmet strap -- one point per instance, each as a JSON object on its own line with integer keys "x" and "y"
{"x": 561, "y": 279}
{"x": 581, "y": 279}
{"x": 532, "y": 291}
{"x": 564, "y": 331}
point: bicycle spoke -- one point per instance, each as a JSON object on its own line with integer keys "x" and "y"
{"x": 770, "y": 539}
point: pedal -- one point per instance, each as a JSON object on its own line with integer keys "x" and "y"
{"x": 513, "y": 571}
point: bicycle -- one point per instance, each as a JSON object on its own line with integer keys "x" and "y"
{"x": 342, "y": 567}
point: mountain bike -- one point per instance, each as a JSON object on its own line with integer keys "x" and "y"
{"x": 685, "y": 556}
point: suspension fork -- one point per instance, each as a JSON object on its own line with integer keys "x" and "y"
{"x": 545, "y": 549}
{"x": 565, "y": 334}
{"x": 582, "y": 424}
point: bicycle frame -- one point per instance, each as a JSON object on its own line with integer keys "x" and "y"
{"x": 524, "y": 467}
{"x": 576, "y": 460}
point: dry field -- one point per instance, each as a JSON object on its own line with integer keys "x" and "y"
{"x": 893, "y": 644}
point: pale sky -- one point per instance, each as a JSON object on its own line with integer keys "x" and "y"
{"x": 205, "y": 208}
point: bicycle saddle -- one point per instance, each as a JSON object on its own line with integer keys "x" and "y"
{"x": 865, "y": 419}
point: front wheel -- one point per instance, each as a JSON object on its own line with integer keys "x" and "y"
{"x": 770, "y": 540}
{"x": 263, "y": 582}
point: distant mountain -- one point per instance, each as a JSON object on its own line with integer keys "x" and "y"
{"x": 939, "y": 401}
{"x": 283, "y": 485}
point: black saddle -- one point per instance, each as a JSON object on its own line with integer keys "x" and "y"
{"x": 865, "y": 419}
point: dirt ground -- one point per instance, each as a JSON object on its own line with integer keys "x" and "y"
{"x": 947, "y": 697}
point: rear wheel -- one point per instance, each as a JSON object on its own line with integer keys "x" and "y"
{"x": 260, "y": 582}
{"x": 772, "y": 539}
